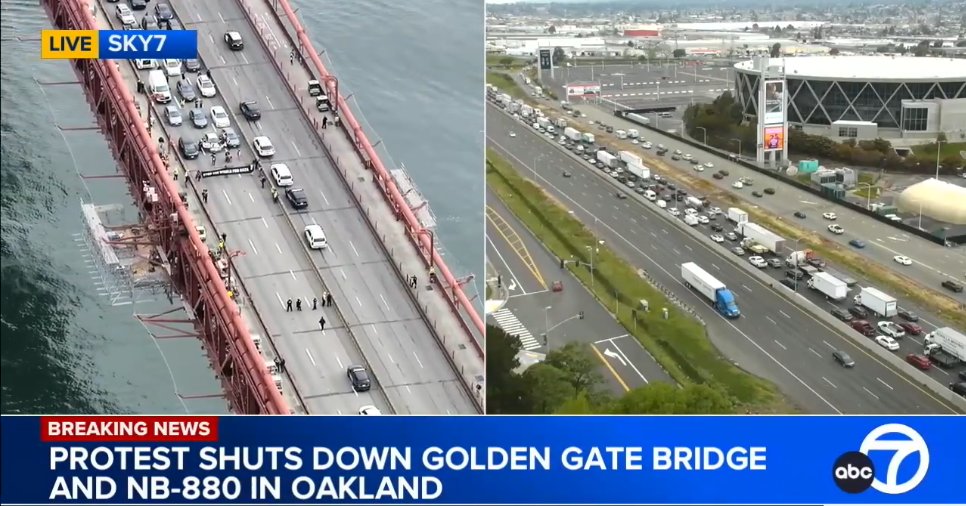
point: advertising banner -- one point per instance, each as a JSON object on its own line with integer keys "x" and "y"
{"x": 583, "y": 89}
{"x": 774, "y": 138}
{"x": 482, "y": 460}
{"x": 774, "y": 110}
{"x": 546, "y": 62}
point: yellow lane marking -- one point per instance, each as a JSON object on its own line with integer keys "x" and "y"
{"x": 516, "y": 243}
{"x": 610, "y": 368}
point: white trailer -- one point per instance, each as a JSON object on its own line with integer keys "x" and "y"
{"x": 640, "y": 170}
{"x": 877, "y": 301}
{"x": 588, "y": 138}
{"x": 561, "y": 123}
{"x": 737, "y": 215}
{"x": 572, "y": 134}
{"x": 630, "y": 158}
{"x": 695, "y": 202}
{"x": 640, "y": 120}
{"x": 544, "y": 122}
{"x": 949, "y": 340}
{"x": 504, "y": 98}
{"x": 526, "y": 111}
{"x": 832, "y": 287}
{"x": 762, "y": 235}
{"x": 513, "y": 107}
{"x": 607, "y": 159}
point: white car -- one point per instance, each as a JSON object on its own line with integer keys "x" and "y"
{"x": 902, "y": 259}
{"x": 714, "y": 211}
{"x": 709, "y": 165}
{"x": 635, "y": 141}
{"x": 647, "y": 145}
{"x": 220, "y": 117}
{"x": 758, "y": 262}
{"x": 887, "y": 343}
{"x": 145, "y": 64}
{"x": 689, "y": 211}
{"x": 281, "y": 175}
{"x": 173, "y": 115}
{"x": 172, "y": 68}
{"x": 699, "y": 168}
{"x": 211, "y": 143}
{"x": 830, "y": 216}
{"x": 205, "y": 86}
{"x": 315, "y": 236}
{"x": 737, "y": 185}
{"x": 370, "y": 411}
{"x": 123, "y": 13}
{"x": 836, "y": 229}
{"x": 674, "y": 211}
{"x": 704, "y": 220}
{"x": 891, "y": 329}
{"x": 263, "y": 146}
{"x": 717, "y": 238}
{"x": 513, "y": 134}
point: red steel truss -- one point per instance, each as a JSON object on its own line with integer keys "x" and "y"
{"x": 248, "y": 386}
{"x": 421, "y": 238}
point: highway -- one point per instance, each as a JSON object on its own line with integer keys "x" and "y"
{"x": 932, "y": 263}
{"x": 374, "y": 321}
{"x": 529, "y": 269}
{"x": 774, "y": 338}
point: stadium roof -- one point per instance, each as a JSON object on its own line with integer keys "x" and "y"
{"x": 872, "y": 68}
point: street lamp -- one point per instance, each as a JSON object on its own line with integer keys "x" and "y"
{"x": 705, "y": 131}
{"x": 546, "y": 326}
{"x": 739, "y": 146}
{"x": 939, "y": 144}
{"x": 868, "y": 193}
{"x": 593, "y": 250}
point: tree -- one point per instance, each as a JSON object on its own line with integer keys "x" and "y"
{"x": 547, "y": 388}
{"x": 754, "y": 27}
{"x": 941, "y": 138}
{"x": 575, "y": 361}
{"x": 776, "y": 50}
{"x": 834, "y": 51}
{"x": 558, "y": 56}
{"x": 506, "y": 61}
{"x": 663, "y": 398}
{"x": 504, "y": 387}
{"x": 679, "y": 53}
{"x": 552, "y": 30}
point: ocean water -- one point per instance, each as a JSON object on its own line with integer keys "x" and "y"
{"x": 416, "y": 72}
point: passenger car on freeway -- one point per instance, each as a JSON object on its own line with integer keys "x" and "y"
{"x": 163, "y": 12}
{"x": 800, "y": 215}
{"x": 907, "y": 315}
{"x": 149, "y": 22}
{"x": 186, "y": 90}
{"x": 281, "y": 175}
{"x": 173, "y": 114}
{"x": 859, "y": 312}
{"x": 211, "y": 143}
{"x": 920, "y": 362}
{"x": 234, "y": 41}
{"x": 887, "y": 343}
{"x": 856, "y": 243}
{"x": 737, "y": 185}
{"x": 369, "y": 411}
{"x": 775, "y": 262}
{"x": 145, "y": 64}
{"x": 891, "y": 329}
{"x": 359, "y": 378}
{"x": 263, "y": 146}
{"x": 139, "y": 5}
{"x": 205, "y": 86}
{"x": 738, "y": 250}
{"x": 124, "y": 15}
{"x": 758, "y": 261}
{"x": 198, "y": 118}
{"x": 788, "y": 284}
{"x": 863, "y": 327}
{"x": 843, "y": 359}
{"x": 902, "y": 259}
{"x": 952, "y": 286}
{"x": 220, "y": 117}
{"x": 315, "y": 237}
{"x": 717, "y": 238}
{"x": 229, "y": 137}
{"x": 830, "y": 216}
{"x": 770, "y": 191}
{"x": 836, "y": 229}
{"x": 842, "y": 314}
{"x": 189, "y": 148}
{"x": 172, "y": 67}
{"x": 192, "y": 65}
{"x": 250, "y": 110}
{"x": 911, "y": 328}
{"x": 757, "y": 194}
{"x": 296, "y": 197}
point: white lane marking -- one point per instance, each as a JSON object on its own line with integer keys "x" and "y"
{"x": 234, "y": 80}
{"x": 265, "y": 221}
{"x": 688, "y": 247}
{"x": 343, "y": 274}
{"x": 884, "y": 383}
{"x": 293, "y": 274}
{"x": 311, "y": 358}
{"x": 296, "y": 149}
{"x": 384, "y": 301}
{"x": 279, "y": 248}
{"x": 354, "y": 248}
{"x": 269, "y": 100}
{"x": 244, "y": 58}
{"x": 769, "y": 319}
{"x": 390, "y": 357}
{"x": 829, "y": 382}
{"x": 339, "y": 361}
{"x": 746, "y": 287}
{"x": 870, "y": 393}
{"x": 358, "y": 301}
{"x": 784, "y": 314}
{"x": 250, "y": 196}
{"x": 212, "y": 37}
{"x": 676, "y": 252}
{"x": 323, "y": 197}
{"x": 827, "y": 344}
{"x": 280, "y": 301}
{"x": 716, "y": 267}
{"x": 628, "y": 361}
{"x": 815, "y": 352}
{"x": 420, "y": 362}
{"x": 780, "y": 345}
{"x": 226, "y": 196}
{"x": 250, "y": 243}
{"x": 222, "y": 18}
{"x": 652, "y": 234}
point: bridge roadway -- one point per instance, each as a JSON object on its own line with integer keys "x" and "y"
{"x": 774, "y": 338}
{"x": 375, "y": 321}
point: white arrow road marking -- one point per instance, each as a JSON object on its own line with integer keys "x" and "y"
{"x": 613, "y": 354}
{"x": 512, "y": 286}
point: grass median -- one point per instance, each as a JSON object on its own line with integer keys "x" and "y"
{"x": 888, "y": 280}
{"x": 679, "y": 343}
{"x": 506, "y": 84}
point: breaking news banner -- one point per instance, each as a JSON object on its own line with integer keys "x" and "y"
{"x": 482, "y": 460}
{"x": 118, "y": 44}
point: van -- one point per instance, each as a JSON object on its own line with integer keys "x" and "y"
{"x": 650, "y": 195}
{"x": 691, "y": 219}
{"x": 664, "y": 115}
{"x": 621, "y": 134}
{"x": 145, "y": 64}
{"x": 158, "y": 87}
{"x": 662, "y": 204}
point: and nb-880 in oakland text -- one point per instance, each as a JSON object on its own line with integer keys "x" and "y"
{"x": 189, "y": 488}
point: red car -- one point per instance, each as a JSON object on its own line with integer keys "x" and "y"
{"x": 911, "y": 328}
{"x": 863, "y": 327}
{"x": 920, "y": 362}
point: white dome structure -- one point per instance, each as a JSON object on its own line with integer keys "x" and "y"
{"x": 940, "y": 201}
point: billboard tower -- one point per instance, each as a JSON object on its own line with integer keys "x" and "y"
{"x": 772, "y": 146}
{"x": 546, "y": 62}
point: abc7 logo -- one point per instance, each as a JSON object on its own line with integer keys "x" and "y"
{"x": 854, "y": 472}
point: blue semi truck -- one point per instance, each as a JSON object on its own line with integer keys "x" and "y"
{"x": 711, "y": 289}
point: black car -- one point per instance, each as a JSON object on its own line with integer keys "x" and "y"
{"x": 959, "y": 388}
{"x": 859, "y": 312}
{"x": 189, "y": 148}
{"x": 962, "y": 375}
{"x": 359, "y": 378}
{"x": 757, "y": 194}
{"x": 186, "y": 90}
{"x": 843, "y": 358}
{"x": 908, "y": 316}
{"x": 164, "y": 12}
{"x": 800, "y": 214}
{"x": 842, "y": 314}
{"x": 788, "y": 284}
{"x": 670, "y": 186}
{"x": 192, "y": 65}
{"x": 716, "y": 227}
{"x": 770, "y": 191}
{"x": 250, "y": 110}
{"x": 296, "y": 196}
{"x": 717, "y": 175}
{"x": 150, "y": 22}
{"x": 794, "y": 274}
{"x": 234, "y": 41}
{"x": 724, "y": 172}
{"x": 139, "y": 5}
{"x": 952, "y": 286}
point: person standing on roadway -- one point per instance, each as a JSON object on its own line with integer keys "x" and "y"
{"x": 315, "y": 303}
{"x": 322, "y": 323}
{"x": 204, "y": 195}
{"x": 288, "y": 306}
{"x": 328, "y": 299}
{"x": 325, "y": 122}
{"x": 274, "y": 195}
{"x": 263, "y": 178}
{"x": 298, "y": 304}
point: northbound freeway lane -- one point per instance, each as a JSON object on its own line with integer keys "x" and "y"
{"x": 774, "y": 339}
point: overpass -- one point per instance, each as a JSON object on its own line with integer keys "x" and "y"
{"x": 234, "y": 255}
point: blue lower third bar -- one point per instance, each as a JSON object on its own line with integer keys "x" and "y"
{"x": 147, "y": 44}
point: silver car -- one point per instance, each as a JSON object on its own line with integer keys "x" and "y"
{"x": 230, "y": 138}
{"x": 173, "y": 115}
{"x": 198, "y": 117}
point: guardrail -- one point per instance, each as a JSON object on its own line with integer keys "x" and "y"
{"x": 776, "y": 175}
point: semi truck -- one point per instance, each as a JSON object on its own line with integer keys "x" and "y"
{"x": 832, "y": 287}
{"x": 634, "y": 164}
{"x": 607, "y": 159}
{"x": 877, "y": 301}
{"x": 513, "y": 107}
{"x": 640, "y": 171}
{"x": 526, "y": 111}
{"x": 637, "y": 118}
{"x": 737, "y": 215}
{"x": 572, "y": 134}
{"x": 630, "y": 158}
{"x": 798, "y": 258}
{"x": 721, "y": 299}
{"x": 544, "y": 122}
{"x": 560, "y": 123}
{"x": 948, "y": 341}
{"x": 761, "y": 235}
{"x": 849, "y": 281}
{"x": 588, "y": 138}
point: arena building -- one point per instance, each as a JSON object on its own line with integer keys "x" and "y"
{"x": 867, "y": 97}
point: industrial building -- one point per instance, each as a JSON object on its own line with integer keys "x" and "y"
{"x": 867, "y": 97}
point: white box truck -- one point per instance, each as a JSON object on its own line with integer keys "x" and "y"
{"x": 949, "y": 341}
{"x": 526, "y": 111}
{"x": 640, "y": 170}
{"x": 560, "y": 123}
{"x": 621, "y": 134}
{"x": 588, "y": 138}
{"x": 572, "y": 134}
{"x": 832, "y": 287}
{"x": 762, "y": 236}
{"x": 158, "y": 87}
{"x": 737, "y": 215}
{"x": 877, "y": 301}
{"x": 607, "y": 159}
{"x": 633, "y": 133}
{"x": 543, "y": 122}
